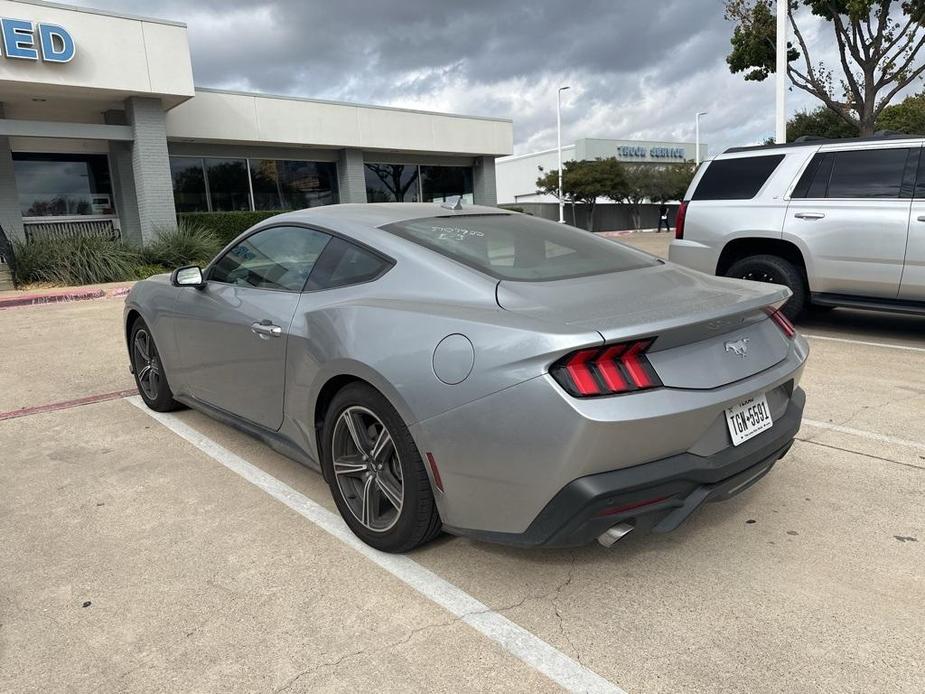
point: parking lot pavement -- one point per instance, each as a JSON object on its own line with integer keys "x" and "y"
{"x": 61, "y": 352}
{"x": 812, "y": 580}
{"x": 132, "y": 562}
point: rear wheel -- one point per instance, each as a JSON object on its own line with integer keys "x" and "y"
{"x": 375, "y": 472}
{"x": 774, "y": 270}
{"x": 148, "y": 369}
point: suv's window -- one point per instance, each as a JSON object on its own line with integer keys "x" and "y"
{"x": 868, "y": 173}
{"x": 274, "y": 258}
{"x": 520, "y": 247}
{"x": 736, "y": 179}
{"x": 920, "y": 181}
{"x": 344, "y": 263}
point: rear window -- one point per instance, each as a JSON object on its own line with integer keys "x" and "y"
{"x": 520, "y": 247}
{"x": 736, "y": 179}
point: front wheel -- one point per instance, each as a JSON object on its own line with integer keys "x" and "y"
{"x": 149, "y": 370}
{"x": 375, "y": 472}
{"x": 774, "y": 270}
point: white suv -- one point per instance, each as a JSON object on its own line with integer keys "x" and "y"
{"x": 840, "y": 222}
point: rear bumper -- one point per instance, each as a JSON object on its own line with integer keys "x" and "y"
{"x": 692, "y": 254}
{"x": 588, "y": 506}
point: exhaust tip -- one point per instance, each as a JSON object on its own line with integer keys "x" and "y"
{"x": 609, "y": 537}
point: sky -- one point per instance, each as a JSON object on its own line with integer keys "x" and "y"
{"x": 638, "y": 69}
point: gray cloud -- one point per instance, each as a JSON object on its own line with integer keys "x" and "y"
{"x": 638, "y": 68}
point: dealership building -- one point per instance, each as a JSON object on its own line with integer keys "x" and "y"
{"x": 517, "y": 174}
{"x": 103, "y": 132}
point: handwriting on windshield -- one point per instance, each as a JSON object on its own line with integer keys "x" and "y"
{"x": 455, "y": 233}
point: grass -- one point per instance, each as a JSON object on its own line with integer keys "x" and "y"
{"x": 81, "y": 260}
{"x": 91, "y": 260}
{"x": 186, "y": 244}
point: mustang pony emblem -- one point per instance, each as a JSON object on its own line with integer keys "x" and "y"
{"x": 740, "y": 347}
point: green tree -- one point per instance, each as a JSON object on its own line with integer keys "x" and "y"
{"x": 820, "y": 122}
{"x": 636, "y": 188}
{"x": 878, "y": 45}
{"x": 905, "y": 117}
{"x": 670, "y": 182}
{"x": 583, "y": 182}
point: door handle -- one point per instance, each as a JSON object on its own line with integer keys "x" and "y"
{"x": 809, "y": 215}
{"x": 265, "y": 330}
{"x": 921, "y": 217}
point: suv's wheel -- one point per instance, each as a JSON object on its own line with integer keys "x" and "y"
{"x": 375, "y": 472}
{"x": 775, "y": 270}
{"x": 149, "y": 371}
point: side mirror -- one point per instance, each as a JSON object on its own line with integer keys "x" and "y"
{"x": 188, "y": 276}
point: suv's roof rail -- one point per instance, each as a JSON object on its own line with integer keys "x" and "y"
{"x": 806, "y": 139}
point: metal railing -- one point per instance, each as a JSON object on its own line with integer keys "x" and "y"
{"x": 72, "y": 227}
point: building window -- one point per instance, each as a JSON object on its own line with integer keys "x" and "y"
{"x": 62, "y": 185}
{"x": 221, "y": 185}
{"x": 229, "y": 189}
{"x": 441, "y": 182}
{"x": 411, "y": 183}
{"x": 392, "y": 183}
{"x": 292, "y": 185}
{"x": 189, "y": 184}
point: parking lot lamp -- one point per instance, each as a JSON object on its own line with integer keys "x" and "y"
{"x": 559, "y": 150}
{"x": 697, "y": 137}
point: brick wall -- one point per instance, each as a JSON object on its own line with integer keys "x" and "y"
{"x": 484, "y": 190}
{"x": 150, "y": 166}
{"x": 351, "y": 176}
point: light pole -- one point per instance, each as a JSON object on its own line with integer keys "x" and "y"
{"x": 559, "y": 150}
{"x": 780, "y": 135}
{"x": 697, "y": 137}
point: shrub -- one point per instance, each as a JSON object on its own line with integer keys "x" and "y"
{"x": 187, "y": 244}
{"x": 226, "y": 225}
{"x": 71, "y": 261}
{"x": 143, "y": 271}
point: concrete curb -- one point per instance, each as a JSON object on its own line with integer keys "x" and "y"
{"x": 63, "y": 297}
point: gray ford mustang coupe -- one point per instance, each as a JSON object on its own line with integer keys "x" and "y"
{"x": 478, "y": 371}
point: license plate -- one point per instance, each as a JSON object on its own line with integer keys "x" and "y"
{"x": 749, "y": 418}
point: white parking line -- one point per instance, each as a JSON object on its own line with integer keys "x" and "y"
{"x": 516, "y": 640}
{"x": 882, "y": 438}
{"x": 863, "y": 342}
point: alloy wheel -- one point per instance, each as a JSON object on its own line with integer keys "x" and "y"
{"x": 147, "y": 364}
{"x": 367, "y": 468}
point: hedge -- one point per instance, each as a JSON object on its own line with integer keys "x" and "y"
{"x": 226, "y": 225}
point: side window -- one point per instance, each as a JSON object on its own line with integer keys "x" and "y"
{"x": 920, "y": 181}
{"x": 274, "y": 258}
{"x": 344, "y": 263}
{"x": 868, "y": 173}
{"x": 815, "y": 178}
{"x": 736, "y": 179}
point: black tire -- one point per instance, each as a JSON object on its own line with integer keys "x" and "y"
{"x": 418, "y": 520}
{"x": 150, "y": 377}
{"x": 775, "y": 270}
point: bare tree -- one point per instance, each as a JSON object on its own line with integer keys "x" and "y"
{"x": 878, "y": 46}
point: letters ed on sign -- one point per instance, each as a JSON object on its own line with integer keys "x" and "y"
{"x": 27, "y": 41}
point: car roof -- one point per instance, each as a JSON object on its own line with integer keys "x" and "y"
{"x": 886, "y": 138}
{"x": 379, "y": 214}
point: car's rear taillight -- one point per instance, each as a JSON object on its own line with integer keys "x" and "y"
{"x": 782, "y": 322}
{"x": 679, "y": 220}
{"x": 607, "y": 370}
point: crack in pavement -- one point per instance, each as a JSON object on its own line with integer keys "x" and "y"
{"x": 551, "y": 595}
{"x": 866, "y": 455}
{"x": 866, "y": 408}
